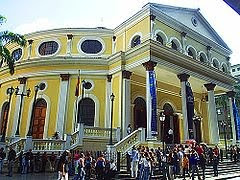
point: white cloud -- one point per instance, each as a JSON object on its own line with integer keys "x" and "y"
{"x": 37, "y": 25}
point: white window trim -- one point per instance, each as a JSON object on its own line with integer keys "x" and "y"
{"x": 224, "y": 64}
{"x": 91, "y": 81}
{"x": 47, "y": 40}
{"x": 133, "y": 36}
{"x": 46, "y": 86}
{"x": 202, "y": 52}
{"x": 91, "y": 38}
{"x": 194, "y": 53}
{"x": 162, "y": 34}
{"x": 174, "y": 39}
{"x": 217, "y": 62}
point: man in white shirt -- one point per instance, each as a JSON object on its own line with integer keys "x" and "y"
{"x": 134, "y": 162}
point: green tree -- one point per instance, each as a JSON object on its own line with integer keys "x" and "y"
{"x": 5, "y": 38}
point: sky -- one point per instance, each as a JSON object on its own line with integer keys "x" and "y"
{"x": 25, "y": 16}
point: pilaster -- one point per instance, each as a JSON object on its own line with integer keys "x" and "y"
{"x": 69, "y": 44}
{"x": 30, "y": 42}
{"x": 231, "y": 95}
{"x": 183, "y": 41}
{"x": 108, "y": 100}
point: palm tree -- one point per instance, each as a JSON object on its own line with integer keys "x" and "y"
{"x": 5, "y": 38}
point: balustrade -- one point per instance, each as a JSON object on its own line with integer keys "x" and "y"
{"x": 48, "y": 145}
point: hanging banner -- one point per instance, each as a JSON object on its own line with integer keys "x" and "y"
{"x": 190, "y": 109}
{"x": 152, "y": 84}
{"x": 236, "y": 119}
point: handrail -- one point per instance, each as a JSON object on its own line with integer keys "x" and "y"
{"x": 48, "y": 145}
{"x": 99, "y": 132}
{"x": 18, "y": 145}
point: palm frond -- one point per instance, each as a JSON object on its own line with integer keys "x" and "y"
{"x": 2, "y": 19}
{"x": 6, "y": 57}
{"x": 10, "y": 37}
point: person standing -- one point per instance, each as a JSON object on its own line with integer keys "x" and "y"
{"x": 129, "y": 129}
{"x": 52, "y": 160}
{"x": 202, "y": 163}
{"x": 215, "y": 164}
{"x": 2, "y": 157}
{"x": 11, "y": 159}
{"x": 185, "y": 165}
{"x": 134, "y": 163}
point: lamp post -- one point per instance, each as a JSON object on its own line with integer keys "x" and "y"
{"x": 112, "y": 99}
{"x": 162, "y": 119}
{"x": 30, "y": 130}
{"x": 10, "y": 92}
{"x": 27, "y": 93}
{"x": 224, "y": 125}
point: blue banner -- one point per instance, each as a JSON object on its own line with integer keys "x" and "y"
{"x": 152, "y": 84}
{"x": 190, "y": 109}
{"x": 236, "y": 119}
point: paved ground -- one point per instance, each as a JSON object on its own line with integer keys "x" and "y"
{"x": 40, "y": 176}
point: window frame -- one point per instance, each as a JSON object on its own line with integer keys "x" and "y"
{"x": 45, "y": 41}
{"x": 20, "y": 56}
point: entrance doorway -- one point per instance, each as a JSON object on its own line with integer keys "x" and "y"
{"x": 39, "y": 118}
{"x": 170, "y": 127}
{"x": 197, "y": 131}
{"x": 140, "y": 115}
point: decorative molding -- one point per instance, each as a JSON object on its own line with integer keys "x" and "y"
{"x": 30, "y": 41}
{"x": 126, "y": 74}
{"x": 210, "y": 86}
{"x": 149, "y": 65}
{"x": 183, "y": 77}
{"x": 22, "y": 80}
{"x": 231, "y": 94}
{"x": 65, "y": 77}
{"x": 109, "y": 78}
{"x": 69, "y": 36}
{"x": 152, "y": 17}
{"x": 183, "y": 34}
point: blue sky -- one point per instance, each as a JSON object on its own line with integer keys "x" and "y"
{"x": 26, "y": 16}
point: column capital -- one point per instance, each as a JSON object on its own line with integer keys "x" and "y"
{"x": 228, "y": 58}
{"x": 114, "y": 38}
{"x": 149, "y": 65}
{"x": 126, "y": 74}
{"x": 231, "y": 94}
{"x": 30, "y": 41}
{"x": 152, "y": 17}
{"x": 109, "y": 78}
{"x": 209, "y": 48}
{"x": 69, "y": 36}
{"x": 210, "y": 86}
{"x": 65, "y": 77}
{"x": 22, "y": 80}
{"x": 183, "y": 77}
{"x": 183, "y": 34}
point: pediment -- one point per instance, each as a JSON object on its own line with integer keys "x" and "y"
{"x": 193, "y": 19}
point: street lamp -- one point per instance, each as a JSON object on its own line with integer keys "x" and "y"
{"x": 224, "y": 125}
{"x": 112, "y": 99}
{"x": 30, "y": 130}
{"x": 10, "y": 92}
{"x": 162, "y": 119}
{"x": 27, "y": 93}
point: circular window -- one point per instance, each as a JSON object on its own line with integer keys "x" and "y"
{"x": 17, "y": 54}
{"x": 48, "y": 48}
{"x": 87, "y": 85}
{"x": 42, "y": 86}
{"x": 91, "y": 46}
{"x": 194, "y": 21}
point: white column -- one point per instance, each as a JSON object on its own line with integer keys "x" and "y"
{"x": 108, "y": 101}
{"x": 209, "y": 54}
{"x": 183, "y": 79}
{"x": 212, "y": 115}
{"x": 114, "y": 44}
{"x": 29, "y": 48}
{"x": 231, "y": 95}
{"x": 149, "y": 67}
{"x": 69, "y": 44}
{"x": 17, "y": 106}
{"x": 152, "y": 18}
{"x": 183, "y": 39}
{"x": 126, "y": 101}
{"x": 62, "y": 103}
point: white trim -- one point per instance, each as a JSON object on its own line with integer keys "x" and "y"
{"x": 133, "y": 36}
{"x": 222, "y": 65}
{"x": 46, "y": 86}
{"x": 91, "y": 38}
{"x": 1, "y": 115}
{"x": 167, "y": 101}
{"x": 194, "y": 51}
{"x": 177, "y": 42}
{"x": 202, "y": 52}
{"x": 90, "y": 81}
{"x": 47, "y": 40}
{"x": 162, "y": 34}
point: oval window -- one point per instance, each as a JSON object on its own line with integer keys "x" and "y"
{"x": 48, "y": 48}
{"x": 17, "y": 54}
{"x": 91, "y": 46}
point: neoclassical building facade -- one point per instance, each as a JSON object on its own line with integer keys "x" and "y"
{"x": 176, "y": 44}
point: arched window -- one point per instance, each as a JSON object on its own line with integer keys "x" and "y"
{"x": 17, "y": 54}
{"x": 203, "y": 57}
{"x": 136, "y": 40}
{"x": 215, "y": 63}
{"x": 39, "y": 118}
{"x": 174, "y": 46}
{"x": 48, "y": 48}
{"x": 140, "y": 115}
{"x": 168, "y": 110}
{"x": 86, "y": 111}
{"x": 191, "y": 51}
{"x": 159, "y": 38}
{"x": 224, "y": 68}
{"x": 5, "y": 109}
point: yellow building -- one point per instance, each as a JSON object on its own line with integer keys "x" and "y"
{"x": 176, "y": 44}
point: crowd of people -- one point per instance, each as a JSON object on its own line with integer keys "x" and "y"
{"x": 142, "y": 162}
